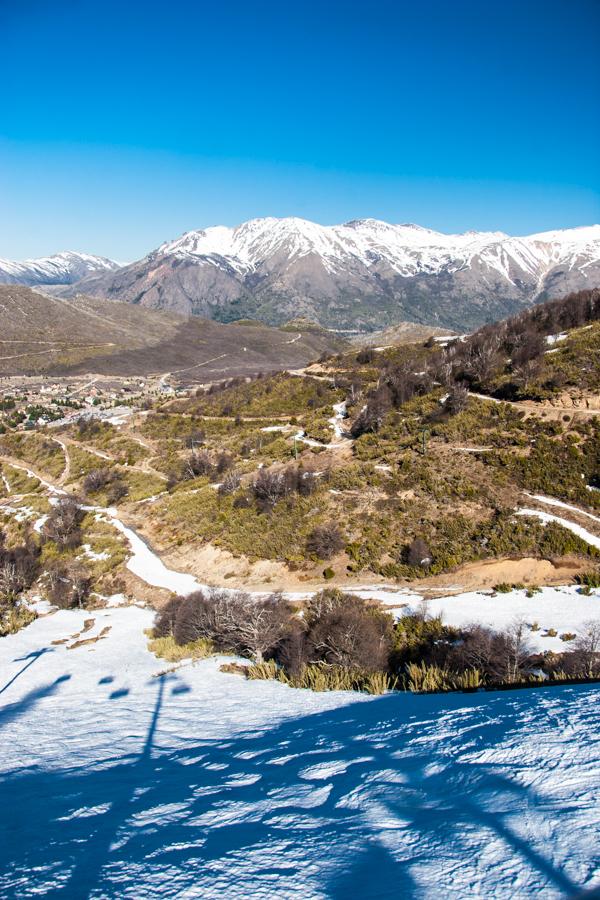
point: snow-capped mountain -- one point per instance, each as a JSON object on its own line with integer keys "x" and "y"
{"x": 62, "y": 268}
{"x": 362, "y": 275}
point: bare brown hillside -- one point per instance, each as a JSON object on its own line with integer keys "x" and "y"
{"x": 43, "y": 334}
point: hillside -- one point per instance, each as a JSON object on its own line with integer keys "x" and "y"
{"x": 363, "y": 276}
{"x": 46, "y": 334}
{"x": 335, "y": 471}
{"x": 383, "y": 528}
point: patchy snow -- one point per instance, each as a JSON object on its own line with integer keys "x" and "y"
{"x": 339, "y": 414}
{"x": 555, "y": 338}
{"x": 545, "y": 517}
{"x": 541, "y": 498}
{"x": 144, "y": 563}
{"x": 39, "y": 523}
{"x": 118, "y": 781}
{"x": 86, "y": 550}
{"x": 20, "y": 513}
{"x": 563, "y": 608}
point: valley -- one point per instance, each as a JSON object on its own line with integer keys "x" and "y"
{"x": 438, "y": 495}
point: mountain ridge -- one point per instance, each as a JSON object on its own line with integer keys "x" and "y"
{"x": 363, "y": 275}
{"x": 66, "y": 267}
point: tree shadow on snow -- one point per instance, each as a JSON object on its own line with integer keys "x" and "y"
{"x": 338, "y": 804}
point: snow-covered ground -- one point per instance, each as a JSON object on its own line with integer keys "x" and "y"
{"x": 118, "y": 781}
{"x": 122, "y": 779}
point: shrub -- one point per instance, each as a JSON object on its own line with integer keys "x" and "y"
{"x": 166, "y": 648}
{"x": 12, "y": 620}
{"x": 230, "y": 483}
{"x": 457, "y": 400}
{"x": 345, "y": 630}
{"x": 96, "y": 480}
{"x": 231, "y": 621}
{"x": 366, "y": 356}
{"x": 325, "y": 541}
{"x": 328, "y": 573}
{"x": 589, "y": 579}
{"x": 62, "y": 525}
{"x": 419, "y": 554}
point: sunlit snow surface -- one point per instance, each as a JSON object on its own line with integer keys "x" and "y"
{"x": 120, "y": 782}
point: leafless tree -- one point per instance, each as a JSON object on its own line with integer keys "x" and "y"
{"x": 62, "y": 525}
{"x": 345, "y": 630}
{"x": 198, "y": 464}
{"x": 232, "y": 620}
{"x": 514, "y": 650}
{"x": 268, "y": 487}
{"x": 10, "y": 581}
{"x": 325, "y": 541}
{"x": 457, "y": 400}
{"x": 230, "y": 483}
{"x": 96, "y": 480}
{"x": 81, "y": 583}
{"x": 586, "y": 648}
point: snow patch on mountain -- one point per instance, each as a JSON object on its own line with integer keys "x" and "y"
{"x": 62, "y": 268}
{"x": 408, "y": 249}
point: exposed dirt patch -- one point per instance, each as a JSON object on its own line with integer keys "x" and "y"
{"x": 487, "y": 573}
{"x": 221, "y": 569}
{"x": 91, "y": 640}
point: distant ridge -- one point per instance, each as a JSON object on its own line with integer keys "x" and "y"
{"x": 62, "y": 268}
{"x": 361, "y": 276}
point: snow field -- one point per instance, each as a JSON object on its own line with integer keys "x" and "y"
{"x": 120, "y": 782}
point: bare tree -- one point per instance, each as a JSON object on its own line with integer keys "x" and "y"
{"x": 230, "y": 483}
{"x": 10, "y": 581}
{"x": 515, "y": 649}
{"x": 325, "y": 540}
{"x": 269, "y": 487}
{"x": 586, "y": 649}
{"x": 232, "y": 620}
{"x": 81, "y": 584}
{"x": 457, "y": 400}
{"x": 62, "y": 525}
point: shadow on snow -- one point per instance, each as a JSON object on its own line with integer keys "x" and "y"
{"x": 333, "y": 804}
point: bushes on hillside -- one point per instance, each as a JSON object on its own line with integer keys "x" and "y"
{"x": 325, "y": 541}
{"x": 106, "y": 479}
{"x": 19, "y": 568}
{"x": 63, "y": 524}
{"x": 343, "y": 642}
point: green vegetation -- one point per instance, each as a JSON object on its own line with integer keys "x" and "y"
{"x": 166, "y": 648}
{"x": 38, "y": 450}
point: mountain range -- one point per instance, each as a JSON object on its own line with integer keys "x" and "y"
{"x": 360, "y": 276}
{"x": 62, "y": 268}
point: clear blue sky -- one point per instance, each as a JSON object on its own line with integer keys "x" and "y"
{"x": 126, "y": 123}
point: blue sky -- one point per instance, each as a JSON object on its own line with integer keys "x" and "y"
{"x": 124, "y": 124}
